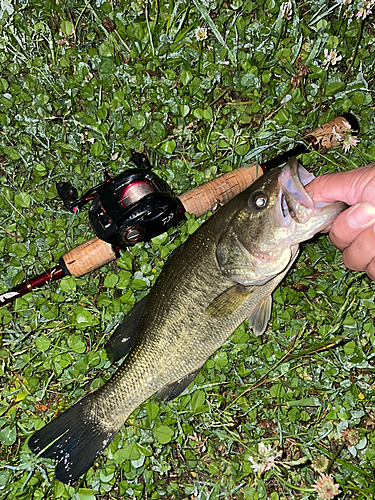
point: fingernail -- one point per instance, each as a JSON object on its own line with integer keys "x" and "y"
{"x": 361, "y": 215}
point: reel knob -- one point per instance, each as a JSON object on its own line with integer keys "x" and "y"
{"x": 68, "y": 193}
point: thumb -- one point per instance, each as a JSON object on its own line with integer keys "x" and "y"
{"x": 352, "y": 187}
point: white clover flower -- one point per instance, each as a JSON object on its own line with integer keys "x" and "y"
{"x": 345, "y": 137}
{"x": 348, "y": 142}
{"x": 327, "y": 488}
{"x": 286, "y": 9}
{"x": 330, "y": 58}
{"x": 201, "y": 34}
{"x": 365, "y": 9}
{"x": 320, "y": 463}
{"x": 264, "y": 460}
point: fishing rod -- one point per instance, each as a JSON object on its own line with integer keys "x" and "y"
{"x": 137, "y": 205}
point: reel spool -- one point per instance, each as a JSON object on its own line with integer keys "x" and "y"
{"x": 134, "y": 192}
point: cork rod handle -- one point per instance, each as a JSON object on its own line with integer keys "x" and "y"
{"x": 219, "y": 191}
{"x": 87, "y": 257}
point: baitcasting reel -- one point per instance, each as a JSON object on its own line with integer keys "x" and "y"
{"x": 134, "y": 206}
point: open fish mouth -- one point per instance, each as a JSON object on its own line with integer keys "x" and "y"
{"x": 294, "y": 202}
{"x": 296, "y": 210}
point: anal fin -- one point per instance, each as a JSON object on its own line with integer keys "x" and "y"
{"x": 171, "y": 391}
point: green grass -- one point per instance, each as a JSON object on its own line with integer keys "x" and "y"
{"x": 82, "y": 83}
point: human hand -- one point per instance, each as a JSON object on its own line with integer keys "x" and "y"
{"x": 353, "y": 231}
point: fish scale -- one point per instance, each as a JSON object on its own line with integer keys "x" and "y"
{"x": 224, "y": 272}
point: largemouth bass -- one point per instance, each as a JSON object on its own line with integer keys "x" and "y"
{"x": 224, "y": 273}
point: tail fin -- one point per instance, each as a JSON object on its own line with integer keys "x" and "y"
{"x": 74, "y": 440}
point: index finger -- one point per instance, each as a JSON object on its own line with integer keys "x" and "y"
{"x": 352, "y": 187}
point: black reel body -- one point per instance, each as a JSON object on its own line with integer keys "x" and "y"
{"x": 134, "y": 206}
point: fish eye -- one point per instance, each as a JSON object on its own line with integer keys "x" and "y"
{"x": 259, "y": 201}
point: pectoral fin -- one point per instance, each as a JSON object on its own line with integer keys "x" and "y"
{"x": 260, "y": 317}
{"x": 122, "y": 340}
{"x": 228, "y": 302}
{"x": 173, "y": 390}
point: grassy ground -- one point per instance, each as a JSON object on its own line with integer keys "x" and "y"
{"x": 84, "y": 82}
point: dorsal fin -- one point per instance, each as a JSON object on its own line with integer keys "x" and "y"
{"x": 122, "y": 340}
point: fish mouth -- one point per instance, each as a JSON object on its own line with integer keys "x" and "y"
{"x": 296, "y": 209}
{"x": 294, "y": 203}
